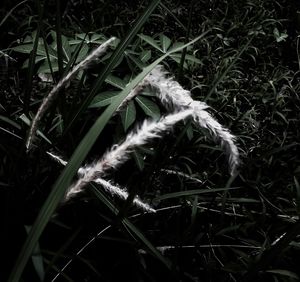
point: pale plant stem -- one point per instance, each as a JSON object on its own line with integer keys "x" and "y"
{"x": 93, "y": 239}
{"x": 53, "y": 93}
{"x": 208, "y": 246}
{"x": 112, "y": 189}
{"x": 179, "y": 173}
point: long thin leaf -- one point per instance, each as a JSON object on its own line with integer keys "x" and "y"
{"x": 64, "y": 180}
{"x": 11, "y": 11}
{"x": 192, "y": 193}
{"x": 133, "y": 230}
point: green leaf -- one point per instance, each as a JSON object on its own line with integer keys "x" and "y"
{"x": 66, "y": 48}
{"x": 9, "y": 121}
{"x": 37, "y": 60}
{"x": 37, "y": 259}
{"x": 104, "y": 99}
{"x": 128, "y": 115}
{"x": 188, "y": 57}
{"x": 95, "y": 38}
{"x": 149, "y": 107}
{"x": 45, "y": 68}
{"x": 165, "y": 42}
{"x": 145, "y": 56}
{"x": 135, "y": 60}
{"x": 25, "y": 48}
{"x": 280, "y": 36}
{"x": 150, "y": 41}
{"x": 176, "y": 45}
{"x": 82, "y": 53}
{"x": 115, "y": 81}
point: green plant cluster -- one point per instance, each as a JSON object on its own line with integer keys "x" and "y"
{"x": 240, "y": 57}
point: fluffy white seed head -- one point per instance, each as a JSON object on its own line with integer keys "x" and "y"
{"x": 65, "y": 80}
{"x": 174, "y": 97}
{"x": 118, "y": 154}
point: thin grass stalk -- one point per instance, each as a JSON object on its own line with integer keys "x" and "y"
{"x": 59, "y": 46}
{"x": 187, "y": 35}
{"x": 51, "y": 96}
{"x": 11, "y": 11}
{"x": 93, "y": 239}
{"x": 31, "y": 64}
{"x": 267, "y": 257}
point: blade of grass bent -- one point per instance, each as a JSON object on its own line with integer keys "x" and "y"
{"x": 113, "y": 60}
{"x": 64, "y": 180}
{"x": 192, "y": 193}
{"x": 11, "y": 11}
{"x": 132, "y": 229}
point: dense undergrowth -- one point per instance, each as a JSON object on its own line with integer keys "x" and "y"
{"x": 208, "y": 225}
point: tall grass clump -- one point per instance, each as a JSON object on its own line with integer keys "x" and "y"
{"x": 165, "y": 132}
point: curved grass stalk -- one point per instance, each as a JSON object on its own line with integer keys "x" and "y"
{"x": 53, "y": 93}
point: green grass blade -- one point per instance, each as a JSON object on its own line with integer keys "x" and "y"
{"x": 32, "y": 57}
{"x": 59, "y": 46}
{"x": 187, "y": 35}
{"x": 11, "y": 11}
{"x": 31, "y": 66}
{"x": 191, "y": 193}
{"x": 132, "y": 229}
{"x": 63, "y": 182}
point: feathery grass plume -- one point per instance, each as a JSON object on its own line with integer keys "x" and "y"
{"x": 112, "y": 189}
{"x": 173, "y": 96}
{"x": 120, "y": 153}
{"x": 51, "y": 96}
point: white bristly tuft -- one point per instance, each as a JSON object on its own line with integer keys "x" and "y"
{"x": 174, "y": 97}
{"x": 120, "y": 153}
{"x": 51, "y": 96}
